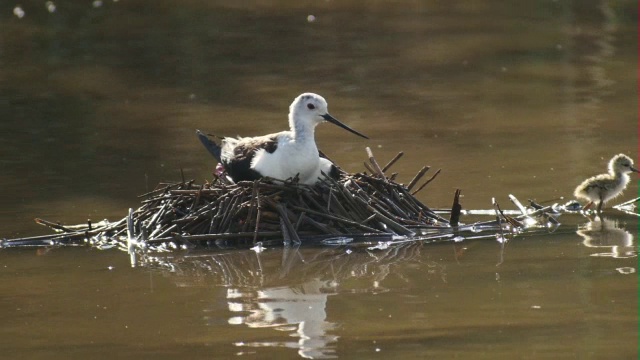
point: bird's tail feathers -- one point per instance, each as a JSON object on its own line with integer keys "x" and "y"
{"x": 210, "y": 145}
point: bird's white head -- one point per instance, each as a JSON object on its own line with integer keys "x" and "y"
{"x": 621, "y": 164}
{"x": 309, "y": 110}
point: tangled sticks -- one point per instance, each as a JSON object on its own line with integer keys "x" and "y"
{"x": 354, "y": 205}
{"x": 183, "y": 213}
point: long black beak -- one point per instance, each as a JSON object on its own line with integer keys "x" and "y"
{"x": 634, "y": 169}
{"x": 335, "y": 121}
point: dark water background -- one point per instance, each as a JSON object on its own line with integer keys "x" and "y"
{"x": 99, "y": 102}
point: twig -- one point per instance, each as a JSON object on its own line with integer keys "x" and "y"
{"x": 427, "y": 182}
{"x": 284, "y": 219}
{"x": 259, "y": 209}
{"x": 204, "y": 237}
{"x": 496, "y": 207}
{"x": 518, "y": 204}
{"x": 52, "y": 225}
{"x": 197, "y": 199}
{"x": 376, "y": 166}
{"x": 336, "y": 218}
{"x": 628, "y": 202}
{"x": 285, "y": 232}
{"x": 252, "y": 206}
{"x": 455, "y": 209}
{"x": 130, "y": 229}
{"x": 513, "y": 222}
{"x": 418, "y": 176}
{"x": 392, "y": 161}
{"x": 368, "y": 167}
{"x": 302, "y": 215}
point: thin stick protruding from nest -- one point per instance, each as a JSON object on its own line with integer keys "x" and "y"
{"x": 456, "y": 208}
{"x": 51, "y": 225}
{"x": 392, "y": 161}
{"x": 259, "y": 212}
{"x": 518, "y": 204}
{"x": 427, "y": 182}
{"x": 418, "y": 176}
{"x": 513, "y": 222}
{"x": 376, "y": 166}
{"x": 369, "y": 168}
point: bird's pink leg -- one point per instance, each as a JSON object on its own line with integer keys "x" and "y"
{"x": 219, "y": 169}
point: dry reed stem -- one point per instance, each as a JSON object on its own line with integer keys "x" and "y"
{"x": 392, "y": 161}
{"x": 418, "y": 176}
{"x": 427, "y": 182}
{"x": 376, "y": 166}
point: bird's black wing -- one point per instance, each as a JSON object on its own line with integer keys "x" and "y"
{"x": 237, "y": 160}
{"x": 336, "y": 171}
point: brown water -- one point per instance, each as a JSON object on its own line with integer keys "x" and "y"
{"x": 99, "y": 102}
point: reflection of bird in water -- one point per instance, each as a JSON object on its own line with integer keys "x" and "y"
{"x": 280, "y": 155}
{"x": 604, "y": 187}
{"x": 607, "y": 234}
{"x": 302, "y": 308}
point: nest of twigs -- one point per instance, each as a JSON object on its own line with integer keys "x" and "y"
{"x": 184, "y": 213}
{"x": 357, "y": 204}
{"x": 361, "y": 208}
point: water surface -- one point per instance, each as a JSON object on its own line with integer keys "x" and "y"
{"x": 99, "y": 102}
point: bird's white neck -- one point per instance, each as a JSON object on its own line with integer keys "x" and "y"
{"x": 623, "y": 177}
{"x": 303, "y": 131}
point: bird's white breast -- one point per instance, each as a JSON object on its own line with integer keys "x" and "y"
{"x": 288, "y": 160}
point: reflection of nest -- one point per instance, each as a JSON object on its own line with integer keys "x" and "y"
{"x": 335, "y": 265}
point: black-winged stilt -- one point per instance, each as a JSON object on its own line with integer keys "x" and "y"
{"x": 281, "y": 155}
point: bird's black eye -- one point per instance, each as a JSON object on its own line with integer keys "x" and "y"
{"x": 311, "y": 106}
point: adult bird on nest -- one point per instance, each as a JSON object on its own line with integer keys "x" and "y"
{"x": 281, "y": 155}
{"x": 604, "y": 187}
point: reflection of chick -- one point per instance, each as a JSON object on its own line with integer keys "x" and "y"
{"x": 604, "y": 187}
{"x": 606, "y": 234}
